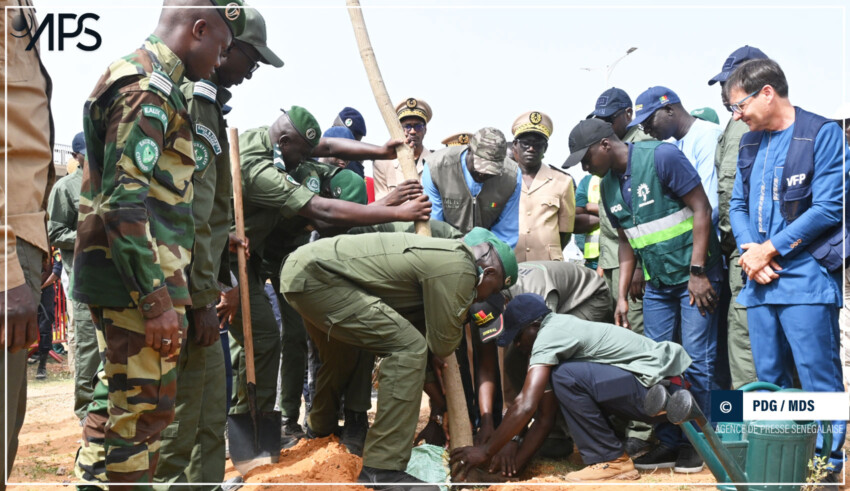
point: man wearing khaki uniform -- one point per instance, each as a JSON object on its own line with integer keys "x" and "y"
{"x": 547, "y": 205}
{"x": 414, "y": 115}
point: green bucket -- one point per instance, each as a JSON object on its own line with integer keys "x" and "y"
{"x": 779, "y": 452}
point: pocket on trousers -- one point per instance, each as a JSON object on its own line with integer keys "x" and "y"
{"x": 410, "y": 367}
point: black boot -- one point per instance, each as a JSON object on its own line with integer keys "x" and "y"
{"x": 373, "y": 478}
{"x": 41, "y": 372}
{"x": 354, "y": 432}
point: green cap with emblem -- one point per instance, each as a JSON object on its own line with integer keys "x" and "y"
{"x": 233, "y": 14}
{"x": 480, "y": 235}
{"x": 305, "y": 124}
{"x": 255, "y": 35}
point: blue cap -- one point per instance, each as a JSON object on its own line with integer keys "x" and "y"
{"x": 353, "y": 120}
{"x": 521, "y": 311}
{"x": 737, "y": 57}
{"x": 651, "y": 100}
{"x": 338, "y": 132}
{"x": 611, "y": 101}
{"x": 78, "y": 144}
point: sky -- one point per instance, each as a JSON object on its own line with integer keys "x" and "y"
{"x": 483, "y": 63}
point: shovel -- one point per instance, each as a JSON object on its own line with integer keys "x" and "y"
{"x": 254, "y": 437}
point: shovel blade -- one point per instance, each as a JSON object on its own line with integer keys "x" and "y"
{"x": 246, "y": 453}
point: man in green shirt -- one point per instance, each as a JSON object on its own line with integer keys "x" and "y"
{"x": 369, "y": 292}
{"x": 193, "y": 444}
{"x": 594, "y": 369}
{"x": 272, "y": 195}
{"x": 741, "y": 367}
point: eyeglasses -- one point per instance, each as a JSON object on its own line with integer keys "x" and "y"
{"x": 413, "y": 126}
{"x": 250, "y": 58}
{"x": 526, "y": 144}
{"x": 737, "y": 108}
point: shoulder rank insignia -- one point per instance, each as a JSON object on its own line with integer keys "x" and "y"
{"x": 278, "y": 159}
{"x": 156, "y": 113}
{"x": 208, "y": 135}
{"x": 146, "y": 154}
{"x": 160, "y": 81}
{"x": 206, "y": 90}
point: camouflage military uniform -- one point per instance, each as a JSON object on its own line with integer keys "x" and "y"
{"x": 327, "y": 181}
{"x": 134, "y": 243}
{"x": 193, "y": 444}
{"x": 62, "y": 230}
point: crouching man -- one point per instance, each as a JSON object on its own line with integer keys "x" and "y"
{"x": 594, "y": 369}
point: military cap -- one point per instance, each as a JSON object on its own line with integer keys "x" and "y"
{"x": 233, "y": 15}
{"x": 456, "y": 139}
{"x": 255, "y": 35}
{"x": 534, "y": 121}
{"x": 413, "y": 107}
{"x": 305, "y": 124}
{"x": 78, "y": 144}
{"x": 353, "y": 120}
{"x": 706, "y": 114}
{"x": 505, "y": 252}
{"x": 489, "y": 148}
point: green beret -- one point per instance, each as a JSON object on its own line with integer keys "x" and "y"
{"x": 305, "y": 124}
{"x": 347, "y": 185}
{"x": 232, "y": 14}
{"x": 480, "y": 235}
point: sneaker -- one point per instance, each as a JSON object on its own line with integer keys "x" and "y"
{"x": 354, "y": 432}
{"x": 635, "y": 447}
{"x": 372, "y": 477}
{"x": 688, "y": 461}
{"x": 291, "y": 428}
{"x": 621, "y": 468}
{"x": 660, "y": 457}
{"x": 41, "y": 373}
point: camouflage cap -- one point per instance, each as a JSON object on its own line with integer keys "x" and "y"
{"x": 233, "y": 15}
{"x": 489, "y": 148}
{"x": 413, "y": 107}
{"x": 456, "y": 139}
{"x": 305, "y": 124}
{"x": 506, "y": 254}
{"x": 534, "y": 121}
{"x": 255, "y": 35}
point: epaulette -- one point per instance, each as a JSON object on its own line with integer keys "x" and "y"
{"x": 206, "y": 90}
{"x": 559, "y": 170}
{"x": 161, "y": 82}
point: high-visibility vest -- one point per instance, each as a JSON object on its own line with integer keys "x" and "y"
{"x": 657, "y": 226}
{"x": 591, "y": 240}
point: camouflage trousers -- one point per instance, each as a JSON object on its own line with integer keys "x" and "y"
{"x": 121, "y": 438}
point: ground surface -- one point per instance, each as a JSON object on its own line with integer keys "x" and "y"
{"x": 51, "y": 435}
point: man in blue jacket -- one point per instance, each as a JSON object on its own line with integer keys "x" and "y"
{"x": 786, "y": 214}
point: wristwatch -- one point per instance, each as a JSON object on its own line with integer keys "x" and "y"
{"x": 697, "y": 270}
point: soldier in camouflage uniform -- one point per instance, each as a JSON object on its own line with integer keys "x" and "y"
{"x": 741, "y": 366}
{"x": 193, "y": 444}
{"x": 273, "y": 195}
{"x": 135, "y": 233}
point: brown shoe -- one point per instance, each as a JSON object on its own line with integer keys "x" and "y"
{"x": 621, "y": 468}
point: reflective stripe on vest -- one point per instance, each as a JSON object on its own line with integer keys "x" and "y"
{"x": 665, "y": 228}
{"x": 591, "y": 240}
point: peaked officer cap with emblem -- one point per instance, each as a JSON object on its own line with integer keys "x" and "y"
{"x": 413, "y": 107}
{"x": 535, "y": 121}
{"x": 456, "y": 139}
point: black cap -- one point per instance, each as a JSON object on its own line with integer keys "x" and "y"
{"x": 487, "y": 316}
{"x": 521, "y": 311}
{"x": 610, "y": 102}
{"x": 585, "y": 134}
{"x": 739, "y": 56}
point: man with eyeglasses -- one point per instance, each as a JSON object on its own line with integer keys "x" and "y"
{"x": 661, "y": 114}
{"x": 741, "y": 368}
{"x": 414, "y": 115}
{"x": 786, "y": 213}
{"x": 476, "y": 185}
{"x": 614, "y": 106}
{"x": 547, "y": 203}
